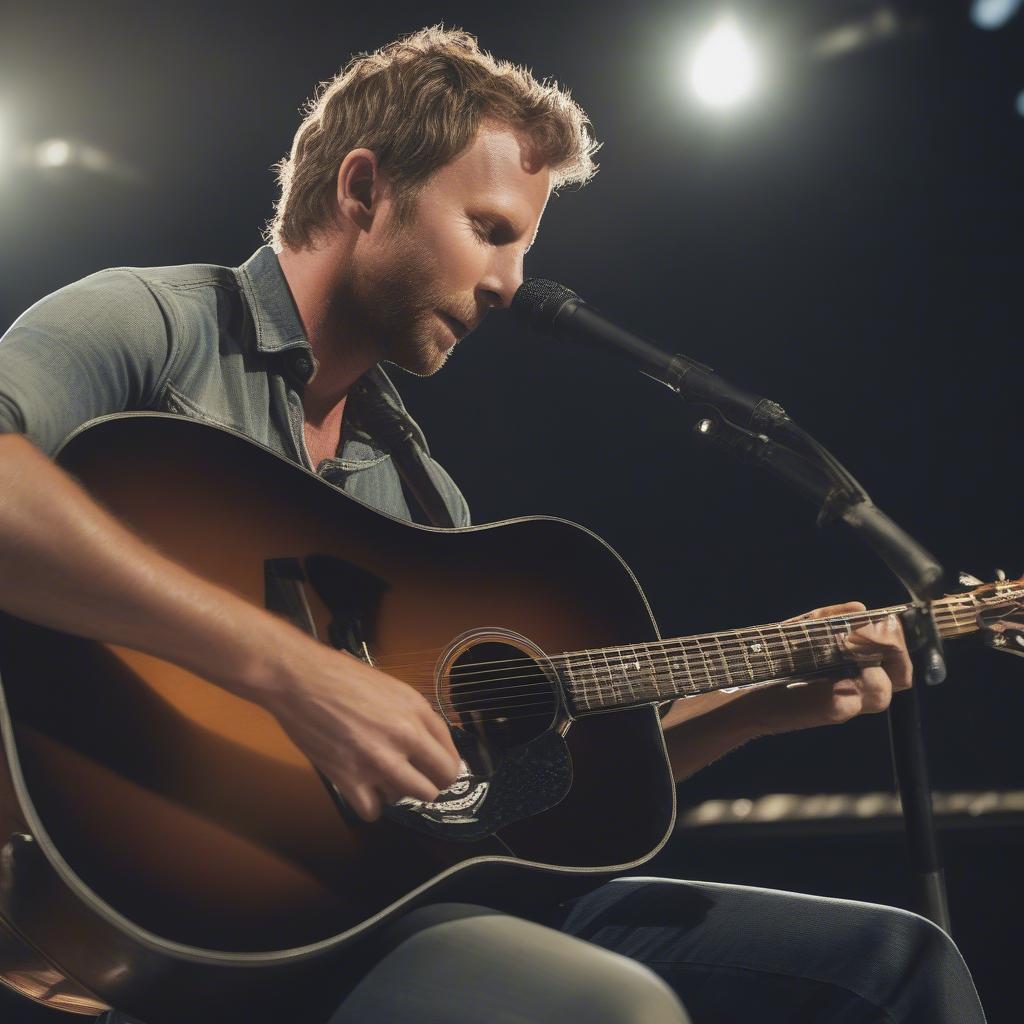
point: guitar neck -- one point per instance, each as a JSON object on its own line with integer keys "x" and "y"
{"x": 773, "y": 654}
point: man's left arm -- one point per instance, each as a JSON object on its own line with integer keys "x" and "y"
{"x": 699, "y": 730}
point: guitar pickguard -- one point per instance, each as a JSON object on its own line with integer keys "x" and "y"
{"x": 531, "y": 778}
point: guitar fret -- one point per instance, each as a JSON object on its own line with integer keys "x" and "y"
{"x": 708, "y": 671}
{"x": 624, "y": 668}
{"x": 788, "y": 648}
{"x": 725, "y": 661}
{"x": 743, "y": 645}
{"x": 655, "y": 675}
{"x": 590, "y": 670}
{"x": 810, "y": 643}
{"x": 766, "y": 652}
{"x": 610, "y": 676}
{"x": 694, "y": 688}
{"x": 951, "y": 605}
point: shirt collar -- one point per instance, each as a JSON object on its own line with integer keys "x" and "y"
{"x": 278, "y": 327}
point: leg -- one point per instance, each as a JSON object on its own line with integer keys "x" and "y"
{"x": 454, "y": 964}
{"x": 730, "y": 951}
{"x": 459, "y": 964}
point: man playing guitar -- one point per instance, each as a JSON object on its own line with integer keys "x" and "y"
{"x": 414, "y": 189}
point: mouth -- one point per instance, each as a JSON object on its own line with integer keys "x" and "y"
{"x": 457, "y": 327}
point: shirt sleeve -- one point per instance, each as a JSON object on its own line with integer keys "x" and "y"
{"x": 98, "y": 346}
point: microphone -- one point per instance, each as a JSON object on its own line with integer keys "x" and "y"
{"x": 551, "y": 308}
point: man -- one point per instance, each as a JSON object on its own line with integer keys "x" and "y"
{"x": 415, "y": 186}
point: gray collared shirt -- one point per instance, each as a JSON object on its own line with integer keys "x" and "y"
{"x": 219, "y": 344}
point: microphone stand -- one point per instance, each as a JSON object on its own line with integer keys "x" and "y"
{"x": 743, "y": 424}
{"x": 816, "y": 474}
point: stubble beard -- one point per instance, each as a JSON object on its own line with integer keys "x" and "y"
{"x": 401, "y": 302}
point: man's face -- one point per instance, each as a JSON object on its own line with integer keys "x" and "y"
{"x": 421, "y": 286}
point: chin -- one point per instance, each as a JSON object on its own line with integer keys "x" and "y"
{"x": 421, "y": 364}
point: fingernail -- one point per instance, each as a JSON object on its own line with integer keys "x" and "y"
{"x": 891, "y": 623}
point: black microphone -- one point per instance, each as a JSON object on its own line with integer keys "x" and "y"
{"x": 551, "y": 308}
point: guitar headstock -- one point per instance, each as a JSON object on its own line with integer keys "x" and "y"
{"x": 999, "y": 611}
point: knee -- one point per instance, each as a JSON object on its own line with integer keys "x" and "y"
{"x": 578, "y": 981}
{"x": 914, "y": 954}
{"x": 627, "y": 992}
{"x": 538, "y": 974}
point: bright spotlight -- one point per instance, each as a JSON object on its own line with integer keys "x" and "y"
{"x": 993, "y": 14}
{"x": 724, "y": 70}
{"x": 55, "y": 153}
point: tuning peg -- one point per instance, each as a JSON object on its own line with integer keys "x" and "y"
{"x": 1001, "y": 575}
{"x": 969, "y": 580}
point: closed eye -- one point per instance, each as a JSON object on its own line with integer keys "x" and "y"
{"x": 497, "y": 232}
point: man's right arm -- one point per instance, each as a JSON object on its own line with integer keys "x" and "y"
{"x": 66, "y": 563}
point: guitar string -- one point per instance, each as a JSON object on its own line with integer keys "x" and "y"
{"x": 551, "y": 702}
{"x": 797, "y": 628}
{"x": 631, "y": 654}
{"x": 667, "y": 670}
{"x": 968, "y": 601}
{"x": 656, "y": 674}
{"x": 498, "y": 707}
{"x": 599, "y": 689}
{"x": 718, "y": 679}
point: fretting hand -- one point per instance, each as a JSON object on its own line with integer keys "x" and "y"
{"x": 881, "y": 651}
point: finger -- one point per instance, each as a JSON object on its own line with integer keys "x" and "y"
{"x": 876, "y": 689}
{"x": 436, "y": 762}
{"x": 404, "y": 780}
{"x": 362, "y": 799}
{"x": 438, "y": 728}
{"x": 847, "y": 608}
{"x": 897, "y": 660}
{"x": 884, "y": 638}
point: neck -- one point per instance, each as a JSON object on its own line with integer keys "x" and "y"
{"x": 769, "y": 655}
{"x": 320, "y": 282}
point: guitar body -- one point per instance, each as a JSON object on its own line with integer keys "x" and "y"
{"x": 166, "y": 849}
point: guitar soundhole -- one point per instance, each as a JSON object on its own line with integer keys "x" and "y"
{"x": 500, "y": 694}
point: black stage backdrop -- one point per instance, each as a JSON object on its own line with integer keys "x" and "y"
{"x": 849, "y": 244}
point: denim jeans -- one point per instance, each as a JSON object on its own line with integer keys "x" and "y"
{"x": 731, "y": 955}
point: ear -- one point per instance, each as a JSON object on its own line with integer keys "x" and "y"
{"x": 360, "y": 188}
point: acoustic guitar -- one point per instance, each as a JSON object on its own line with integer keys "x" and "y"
{"x": 165, "y": 848}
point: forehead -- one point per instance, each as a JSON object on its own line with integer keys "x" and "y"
{"x": 497, "y": 166}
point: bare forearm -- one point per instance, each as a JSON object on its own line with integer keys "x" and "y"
{"x": 697, "y": 735}
{"x": 67, "y": 563}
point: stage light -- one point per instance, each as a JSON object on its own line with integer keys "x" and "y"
{"x": 725, "y": 69}
{"x": 53, "y": 153}
{"x": 992, "y": 14}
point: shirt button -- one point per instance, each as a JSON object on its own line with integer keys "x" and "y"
{"x": 302, "y": 366}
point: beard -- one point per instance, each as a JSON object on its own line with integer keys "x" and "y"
{"x": 399, "y": 302}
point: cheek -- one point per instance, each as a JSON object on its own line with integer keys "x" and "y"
{"x": 458, "y": 255}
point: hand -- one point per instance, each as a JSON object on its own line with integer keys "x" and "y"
{"x": 373, "y": 736}
{"x": 885, "y": 668}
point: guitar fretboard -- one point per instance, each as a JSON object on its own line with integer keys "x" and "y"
{"x": 779, "y": 652}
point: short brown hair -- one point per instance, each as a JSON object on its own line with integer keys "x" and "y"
{"x": 417, "y": 103}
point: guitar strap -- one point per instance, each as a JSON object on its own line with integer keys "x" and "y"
{"x": 404, "y": 440}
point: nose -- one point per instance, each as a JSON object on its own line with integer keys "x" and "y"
{"x": 502, "y": 280}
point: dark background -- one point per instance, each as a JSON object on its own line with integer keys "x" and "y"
{"x": 849, "y": 243}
